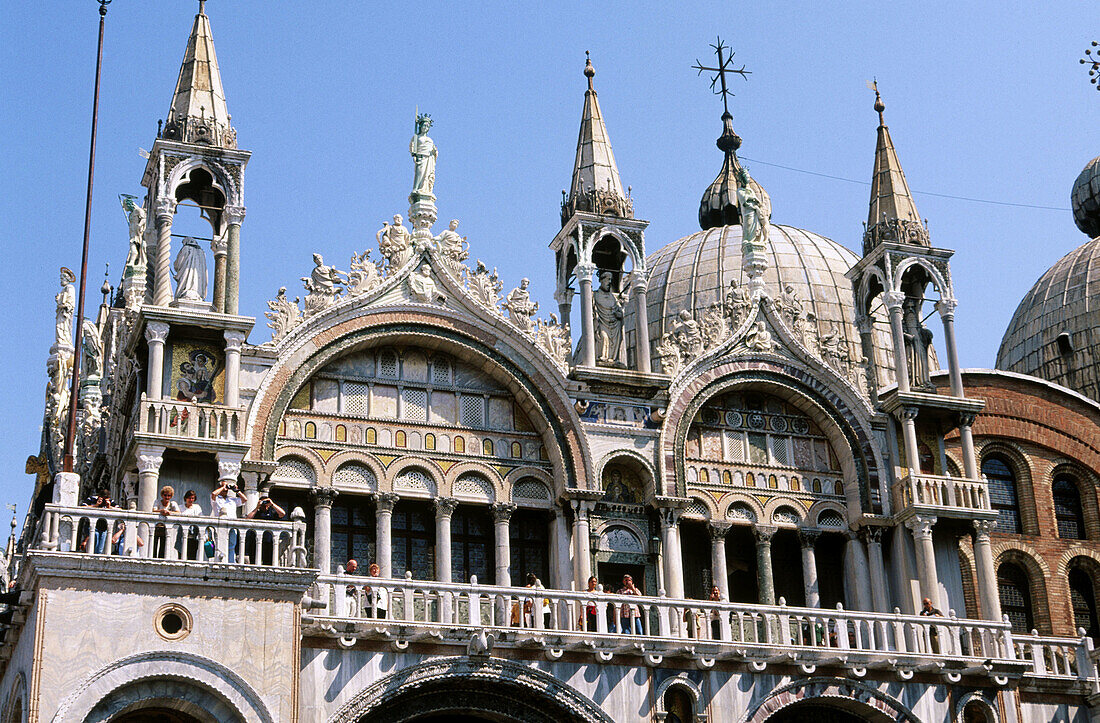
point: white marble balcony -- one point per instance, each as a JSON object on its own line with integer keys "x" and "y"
{"x": 177, "y": 420}
{"x": 351, "y": 608}
{"x": 132, "y": 534}
{"x": 943, "y": 496}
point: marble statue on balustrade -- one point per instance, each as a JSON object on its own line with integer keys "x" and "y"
{"x": 520, "y": 307}
{"x": 424, "y": 154}
{"x": 607, "y": 308}
{"x": 452, "y": 247}
{"x": 323, "y": 285}
{"x": 394, "y": 242}
{"x": 135, "y": 217}
{"x": 189, "y": 271}
{"x": 918, "y": 343}
{"x": 66, "y": 305}
{"x": 423, "y": 288}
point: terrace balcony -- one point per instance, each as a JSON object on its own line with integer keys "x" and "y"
{"x": 189, "y": 425}
{"x": 941, "y": 496}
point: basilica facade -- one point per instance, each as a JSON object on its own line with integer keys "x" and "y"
{"x": 733, "y": 477}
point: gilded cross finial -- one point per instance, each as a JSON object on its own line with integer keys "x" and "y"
{"x": 1094, "y": 65}
{"x": 725, "y": 64}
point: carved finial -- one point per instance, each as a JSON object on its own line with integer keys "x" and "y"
{"x": 589, "y": 71}
{"x": 879, "y": 105}
{"x": 202, "y": 7}
{"x": 106, "y": 288}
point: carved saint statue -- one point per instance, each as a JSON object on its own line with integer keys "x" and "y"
{"x": 394, "y": 242}
{"x": 66, "y": 303}
{"x": 754, "y": 217}
{"x": 737, "y": 304}
{"x": 758, "y": 337}
{"x": 135, "y": 216}
{"x": 789, "y": 305}
{"x": 422, "y": 286}
{"x": 322, "y": 285}
{"x": 424, "y": 154}
{"x": 92, "y": 347}
{"x": 520, "y": 307}
{"x": 608, "y": 312}
{"x": 918, "y": 342}
{"x": 190, "y": 272}
{"x": 451, "y": 246}
{"x": 687, "y": 334}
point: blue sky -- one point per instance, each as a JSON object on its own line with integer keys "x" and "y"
{"x": 984, "y": 100}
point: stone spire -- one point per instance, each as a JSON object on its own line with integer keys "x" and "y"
{"x": 199, "y": 113}
{"x": 596, "y": 186}
{"x": 893, "y": 215}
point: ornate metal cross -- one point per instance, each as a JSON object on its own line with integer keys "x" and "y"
{"x": 1094, "y": 65}
{"x": 725, "y": 64}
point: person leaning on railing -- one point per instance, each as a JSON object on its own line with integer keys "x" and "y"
{"x": 102, "y": 500}
{"x": 377, "y": 596}
{"x": 166, "y": 506}
{"x": 715, "y": 614}
{"x": 191, "y": 508}
{"x": 927, "y": 609}
{"x": 267, "y": 510}
{"x": 588, "y": 618}
{"x": 630, "y": 616}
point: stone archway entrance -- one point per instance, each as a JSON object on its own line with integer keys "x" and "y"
{"x": 156, "y": 715}
{"x": 822, "y": 713}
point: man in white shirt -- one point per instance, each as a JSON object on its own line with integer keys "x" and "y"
{"x": 191, "y": 508}
{"x": 227, "y": 499}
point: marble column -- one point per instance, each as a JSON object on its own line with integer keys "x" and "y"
{"x": 807, "y": 538}
{"x": 764, "y": 579}
{"x": 641, "y": 325}
{"x": 582, "y": 544}
{"x": 966, "y": 442}
{"x": 947, "y": 307}
{"x": 162, "y": 282}
{"x": 218, "y": 245}
{"x": 921, "y": 528}
{"x": 908, "y": 416}
{"x": 988, "y": 593}
{"x": 155, "y": 334}
{"x": 233, "y": 342}
{"x": 860, "y": 577}
{"x": 671, "y": 555}
{"x": 251, "y": 489}
{"x": 560, "y": 572}
{"x": 323, "y": 497}
{"x": 894, "y": 301}
{"x": 234, "y": 217}
{"x": 444, "y": 508}
{"x": 588, "y": 331}
{"x": 872, "y": 538}
{"x": 564, "y": 297}
{"x": 383, "y": 516}
{"x": 718, "y": 570}
{"x": 149, "y": 460}
{"x": 502, "y": 516}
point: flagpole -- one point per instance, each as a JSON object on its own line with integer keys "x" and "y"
{"x": 70, "y": 437}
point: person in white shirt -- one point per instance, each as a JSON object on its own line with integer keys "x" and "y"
{"x": 227, "y": 499}
{"x": 165, "y": 506}
{"x": 191, "y": 509}
{"x": 378, "y": 597}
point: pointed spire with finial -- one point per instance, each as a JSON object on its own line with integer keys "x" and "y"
{"x": 199, "y": 113}
{"x": 893, "y": 214}
{"x": 596, "y": 186}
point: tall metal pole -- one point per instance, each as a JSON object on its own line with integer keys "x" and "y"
{"x": 70, "y": 437}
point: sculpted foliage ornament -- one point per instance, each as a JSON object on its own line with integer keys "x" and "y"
{"x": 283, "y": 316}
{"x": 484, "y": 286}
{"x": 554, "y": 340}
{"x": 364, "y": 275}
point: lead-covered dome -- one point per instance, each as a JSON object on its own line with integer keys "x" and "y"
{"x": 695, "y": 272}
{"x": 1055, "y": 332}
{"x": 1085, "y": 199}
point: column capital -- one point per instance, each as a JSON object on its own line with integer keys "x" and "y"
{"x": 228, "y": 469}
{"x": 947, "y": 307}
{"x": 807, "y": 536}
{"x": 165, "y": 207}
{"x": 907, "y": 414}
{"x": 670, "y": 516}
{"x": 445, "y": 506}
{"x": 234, "y": 215}
{"x": 502, "y": 511}
{"x": 149, "y": 459}
{"x": 864, "y": 324}
{"x": 640, "y": 284}
{"x": 156, "y": 332}
{"x": 871, "y": 534}
{"x": 323, "y": 497}
{"x": 719, "y": 530}
{"x": 219, "y": 245}
{"x": 233, "y": 339}
{"x": 893, "y": 300}
{"x": 584, "y": 271}
{"x": 921, "y": 526}
{"x": 764, "y": 533}
{"x": 384, "y": 501}
{"x": 982, "y": 528}
{"x": 966, "y": 419}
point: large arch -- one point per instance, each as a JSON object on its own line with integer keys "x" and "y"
{"x": 844, "y": 427}
{"x": 493, "y": 688}
{"x": 180, "y": 681}
{"x": 528, "y": 377}
{"x": 859, "y": 701}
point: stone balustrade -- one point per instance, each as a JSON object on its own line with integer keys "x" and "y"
{"x": 189, "y": 420}
{"x": 941, "y": 493}
{"x": 133, "y": 534}
{"x": 352, "y": 607}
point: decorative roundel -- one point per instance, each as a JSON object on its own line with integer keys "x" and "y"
{"x": 734, "y": 419}
{"x": 172, "y": 621}
{"x": 779, "y": 424}
{"x": 710, "y": 416}
{"x": 800, "y": 426}
{"x": 740, "y": 511}
{"x": 756, "y": 420}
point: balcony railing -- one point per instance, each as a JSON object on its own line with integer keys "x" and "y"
{"x": 128, "y": 533}
{"x": 189, "y": 420}
{"x": 351, "y": 607}
{"x": 947, "y": 493}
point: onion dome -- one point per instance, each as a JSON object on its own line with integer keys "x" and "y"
{"x": 719, "y": 205}
{"x": 1085, "y": 199}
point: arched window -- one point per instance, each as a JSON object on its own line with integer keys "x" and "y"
{"x": 460, "y": 444}
{"x": 1067, "y": 509}
{"x": 1083, "y": 600}
{"x": 1015, "y": 592}
{"x": 678, "y": 705}
{"x": 1002, "y": 493}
